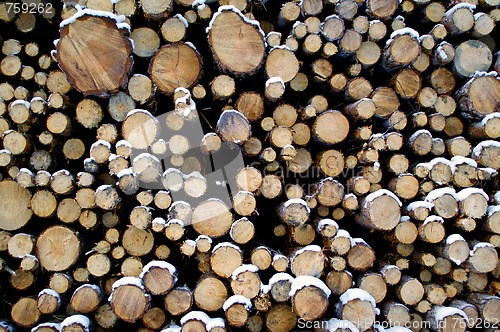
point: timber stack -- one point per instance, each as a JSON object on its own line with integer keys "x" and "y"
{"x": 209, "y": 166}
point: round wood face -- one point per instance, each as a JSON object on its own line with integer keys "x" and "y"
{"x": 173, "y": 66}
{"x": 15, "y": 209}
{"x": 94, "y": 65}
{"x": 58, "y": 248}
{"x": 236, "y": 44}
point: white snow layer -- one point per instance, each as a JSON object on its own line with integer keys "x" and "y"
{"x": 478, "y": 149}
{"x": 55, "y": 326}
{"x": 81, "y": 320}
{"x": 308, "y": 281}
{"x": 195, "y": 315}
{"x": 281, "y": 276}
{"x": 441, "y": 312}
{"x": 20, "y": 102}
{"x": 464, "y": 193}
{"x": 430, "y": 219}
{"x": 161, "y": 265}
{"x": 215, "y": 322}
{"x": 51, "y": 292}
{"x": 182, "y": 19}
{"x": 237, "y": 299}
{"x": 243, "y": 268}
{"x": 132, "y": 281}
{"x": 358, "y": 294}
{"x": 492, "y": 209}
{"x": 436, "y": 193}
{"x": 419, "y": 204}
{"x": 92, "y": 12}
{"x": 405, "y": 31}
{"x": 469, "y": 6}
{"x": 454, "y": 238}
{"x": 275, "y": 79}
{"x": 226, "y": 244}
{"x": 326, "y": 222}
{"x": 311, "y": 247}
{"x": 297, "y": 201}
{"x": 381, "y": 192}
{"x": 172, "y": 328}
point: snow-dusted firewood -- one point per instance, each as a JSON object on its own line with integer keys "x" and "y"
{"x": 486, "y": 305}
{"x": 486, "y": 152}
{"x": 459, "y": 18}
{"x": 158, "y": 277}
{"x": 228, "y": 47}
{"x": 468, "y": 99}
{"x": 91, "y": 79}
{"x": 445, "y": 318}
{"x": 245, "y": 281}
{"x": 483, "y": 257}
{"x": 308, "y": 261}
{"x": 410, "y": 291}
{"x": 86, "y": 298}
{"x": 167, "y": 75}
{"x": 294, "y": 212}
{"x": 127, "y": 291}
{"x": 358, "y": 307}
{"x": 25, "y": 312}
{"x": 309, "y": 297}
{"x": 48, "y": 301}
{"x": 374, "y": 284}
{"x": 380, "y": 210}
{"x": 411, "y": 161}
{"x": 210, "y": 293}
{"x": 237, "y": 308}
{"x": 361, "y": 256}
{"x": 179, "y": 301}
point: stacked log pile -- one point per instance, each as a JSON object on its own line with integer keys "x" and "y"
{"x": 326, "y": 165}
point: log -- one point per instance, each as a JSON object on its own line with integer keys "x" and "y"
{"x": 469, "y": 103}
{"x": 275, "y": 61}
{"x": 55, "y": 258}
{"x": 358, "y": 307}
{"x": 380, "y": 210}
{"x": 306, "y": 290}
{"x": 103, "y": 76}
{"x": 468, "y": 66}
{"x": 447, "y": 318}
{"x": 231, "y": 33}
{"x": 459, "y": 19}
{"x": 16, "y": 210}
{"x": 48, "y": 301}
{"x": 125, "y": 290}
{"x": 185, "y": 73}
{"x": 25, "y": 312}
{"x": 86, "y": 298}
{"x": 158, "y": 277}
{"x": 237, "y": 309}
{"x": 321, "y": 128}
{"x": 361, "y": 255}
{"x": 210, "y": 293}
{"x": 406, "y": 39}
